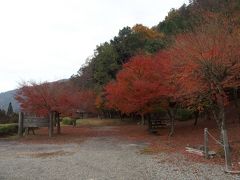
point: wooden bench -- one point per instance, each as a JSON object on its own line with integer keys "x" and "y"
{"x": 28, "y": 129}
{"x": 155, "y": 125}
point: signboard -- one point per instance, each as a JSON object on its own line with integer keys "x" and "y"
{"x": 35, "y": 122}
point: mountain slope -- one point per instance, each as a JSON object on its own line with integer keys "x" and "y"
{"x": 6, "y": 98}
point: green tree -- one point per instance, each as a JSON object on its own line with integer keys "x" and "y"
{"x": 10, "y": 110}
{"x": 2, "y": 114}
{"x": 127, "y": 44}
{"x": 106, "y": 64}
{"x": 177, "y": 21}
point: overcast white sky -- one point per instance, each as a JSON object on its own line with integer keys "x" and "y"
{"x": 47, "y": 40}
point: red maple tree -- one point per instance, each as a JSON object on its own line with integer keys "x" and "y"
{"x": 42, "y": 98}
{"x": 206, "y": 63}
{"x": 141, "y": 84}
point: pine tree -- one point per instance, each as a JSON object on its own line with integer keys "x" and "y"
{"x": 10, "y": 110}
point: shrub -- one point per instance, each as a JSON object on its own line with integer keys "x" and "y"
{"x": 8, "y": 119}
{"x": 13, "y": 118}
{"x": 67, "y": 121}
{"x": 8, "y": 129}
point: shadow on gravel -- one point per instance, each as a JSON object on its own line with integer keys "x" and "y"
{"x": 45, "y": 154}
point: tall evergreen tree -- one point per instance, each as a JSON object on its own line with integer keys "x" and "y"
{"x": 10, "y": 110}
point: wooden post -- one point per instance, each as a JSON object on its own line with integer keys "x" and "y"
{"x": 50, "y": 132}
{"x": 206, "y": 143}
{"x": 228, "y": 163}
{"x": 20, "y": 124}
{"x": 58, "y": 124}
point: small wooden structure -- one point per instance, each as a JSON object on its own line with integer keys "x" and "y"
{"x": 35, "y": 122}
{"x": 154, "y": 125}
{"x": 81, "y": 114}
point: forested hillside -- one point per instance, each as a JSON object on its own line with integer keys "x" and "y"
{"x": 109, "y": 57}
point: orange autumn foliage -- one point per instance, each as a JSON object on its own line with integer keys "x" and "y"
{"x": 40, "y": 99}
{"x": 207, "y": 60}
{"x": 142, "y": 83}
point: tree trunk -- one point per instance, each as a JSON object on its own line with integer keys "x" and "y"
{"x": 149, "y": 122}
{"x": 171, "y": 117}
{"x": 236, "y": 102}
{"x": 58, "y": 124}
{"x": 53, "y": 120}
{"x": 196, "y": 115}
{"x": 20, "y": 124}
{"x": 132, "y": 116}
{"x": 101, "y": 115}
{"x": 120, "y": 115}
{"x": 228, "y": 162}
{"x": 224, "y": 136}
{"x": 222, "y": 114}
{"x": 142, "y": 119}
{"x": 149, "y": 117}
{"x": 74, "y": 122}
{"x": 215, "y": 113}
{"x": 221, "y": 117}
{"x": 50, "y": 126}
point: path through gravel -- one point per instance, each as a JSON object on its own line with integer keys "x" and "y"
{"x": 97, "y": 159}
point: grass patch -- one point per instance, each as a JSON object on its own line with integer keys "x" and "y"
{"x": 149, "y": 150}
{"x": 67, "y": 121}
{"x": 8, "y": 129}
{"x": 99, "y": 122}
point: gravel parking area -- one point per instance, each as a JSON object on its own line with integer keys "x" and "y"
{"x": 97, "y": 159}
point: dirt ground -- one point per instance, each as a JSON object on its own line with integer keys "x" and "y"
{"x": 185, "y": 135}
{"x": 120, "y": 147}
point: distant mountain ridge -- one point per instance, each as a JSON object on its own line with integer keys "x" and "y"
{"x": 6, "y": 98}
